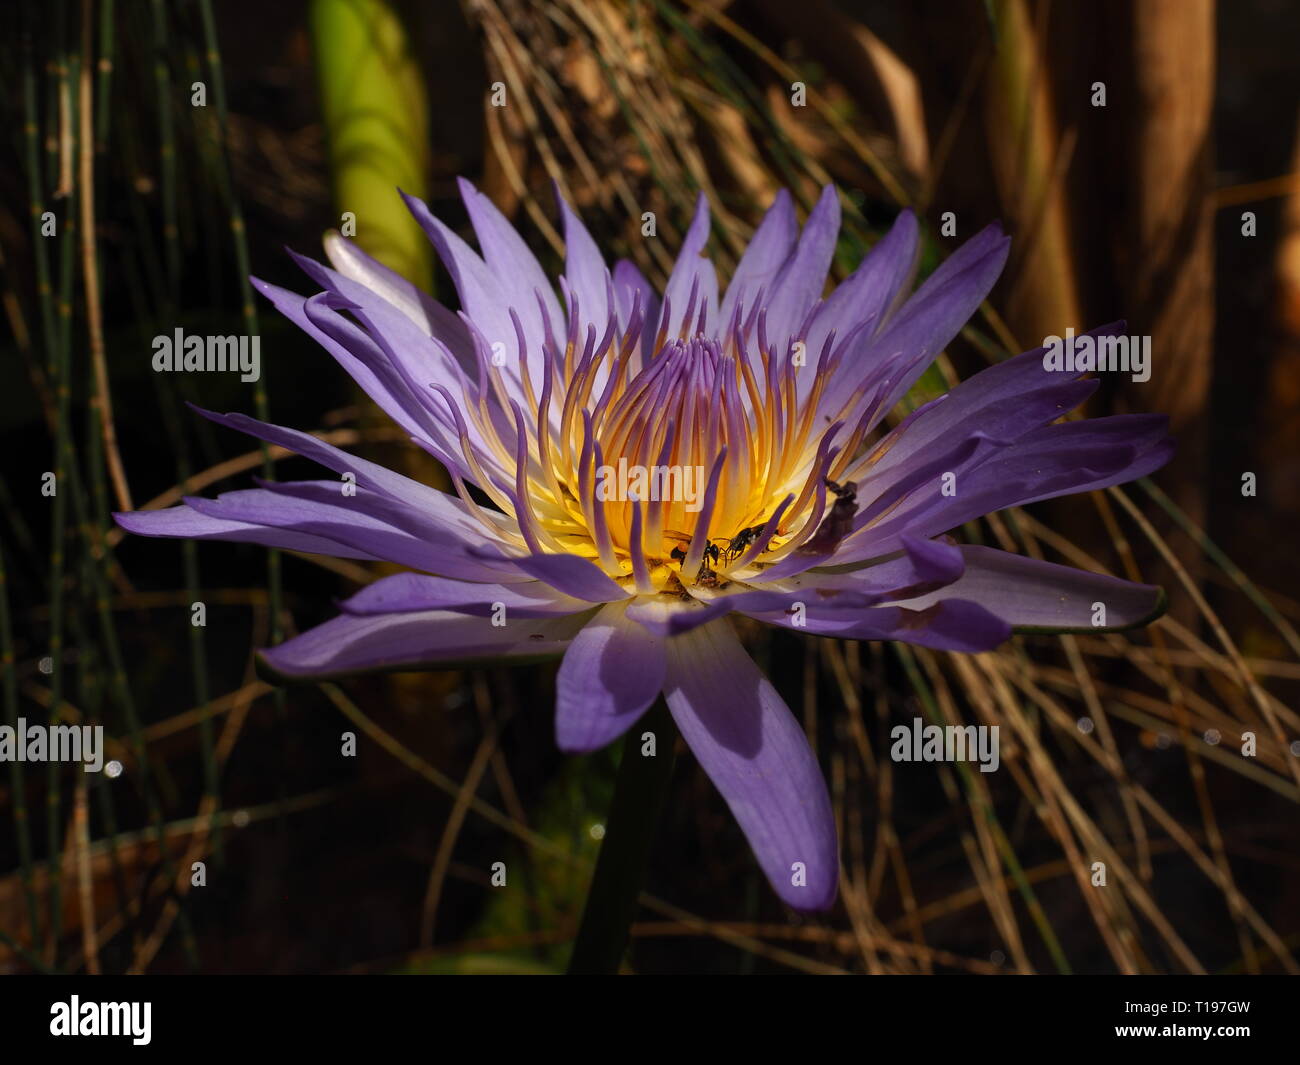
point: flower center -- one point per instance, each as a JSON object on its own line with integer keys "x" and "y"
{"x": 678, "y": 467}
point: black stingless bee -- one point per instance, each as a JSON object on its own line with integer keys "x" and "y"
{"x": 712, "y": 555}
{"x": 715, "y": 555}
{"x": 739, "y": 544}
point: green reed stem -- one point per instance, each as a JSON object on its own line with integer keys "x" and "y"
{"x": 105, "y": 72}
{"x": 36, "y": 194}
{"x": 248, "y": 308}
{"x": 639, "y": 794}
{"x": 261, "y": 401}
{"x": 61, "y": 384}
{"x": 57, "y": 50}
{"x": 171, "y": 246}
{"x": 193, "y": 585}
{"x": 166, "y": 152}
{"x": 122, "y": 693}
{"x": 96, "y": 562}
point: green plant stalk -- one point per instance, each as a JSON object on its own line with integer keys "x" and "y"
{"x": 261, "y": 401}
{"x": 105, "y": 72}
{"x": 96, "y": 561}
{"x": 193, "y": 586}
{"x": 57, "y": 48}
{"x": 248, "y": 308}
{"x": 90, "y": 697}
{"x": 639, "y": 795}
{"x": 122, "y": 692}
{"x": 31, "y": 137}
{"x": 63, "y": 465}
{"x": 56, "y": 320}
{"x": 376, "y": 124}
{"x": 167, "y": 154}
{"x": 171, "y": 245}
{"x": 92, "y": 513}
{"x": 205, "y": 191}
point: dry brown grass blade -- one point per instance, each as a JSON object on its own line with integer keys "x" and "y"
{"x": 1212, "y": 869}
{"x": 1066, "y": 807}
{"x": 1229, "y": 645}
{"x": 81, "y": 823}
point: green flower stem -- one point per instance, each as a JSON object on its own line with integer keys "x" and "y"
{"x": 639, "y": 795}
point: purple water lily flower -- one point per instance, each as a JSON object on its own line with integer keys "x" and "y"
{"x": 759, "y": 484}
